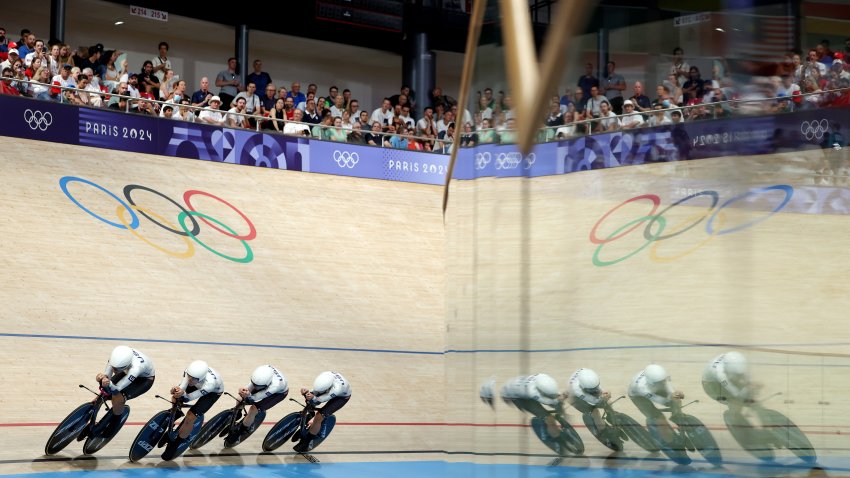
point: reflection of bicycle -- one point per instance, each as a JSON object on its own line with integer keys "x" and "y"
{"x": 567, "y": 440}
{"x": 162, "y": 430}
{"x": 620, "y": 427}
{"x": 690, "y": 434}
{"x": 295, "y": 426}
{"x": 82, "y": 424}
{"x": 776, "y": 432}
{"x": 227, "y": 424}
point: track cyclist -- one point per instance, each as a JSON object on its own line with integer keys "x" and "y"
{"x": 653, "y": 384}
{"x": 128, "y": 374}
{"x": 726, "y": 380}
{"x": 585, "y": 394}
{"x": 268, "y": 387}
{"x": 201, "y": 383}
{"x": 532, "y": 394}
{"x": 329, "y": 388}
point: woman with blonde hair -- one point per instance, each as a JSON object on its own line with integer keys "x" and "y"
{"x": 41, "y": 89}
{"x": 65, "y": 56}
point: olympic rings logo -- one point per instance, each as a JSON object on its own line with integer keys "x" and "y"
{"x": 482, "y": 160}
{"x": 713, "y": 227}
{"x": 345, "y": 159}
{"x": 814, "y": 129}
{"x": 38, "y": 120}
{"x": 512, "y": 160}
{"x": 130, "y": 208}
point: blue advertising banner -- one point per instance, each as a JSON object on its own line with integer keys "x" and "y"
{"x": 345, "y": 159}
{"x": 114, "y": 130}
{"x": 740, "y": 135}
{"x": 506, "y": 161}
{"x": 40, "y": 120}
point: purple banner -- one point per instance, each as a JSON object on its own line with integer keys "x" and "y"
{"x": 344, "y": 159}
{"x": 114, "y": 130}
{"x": 740, "y": 135}
{"x": 41, "y": 120}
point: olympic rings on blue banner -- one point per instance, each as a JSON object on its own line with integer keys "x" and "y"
{"x": 130, "y": 207}
{"x": 651, "y": 218}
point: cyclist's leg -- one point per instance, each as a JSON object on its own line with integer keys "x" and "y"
{"x": 264, "y": 404}
{"x": 200, "y": 407}
{"x": 586, "y": 408}
{"x": 135, "y": 389}
{"x": 329, "y": 409}
{"x": 553, "y": 428}
{"x": 654, "y": 417}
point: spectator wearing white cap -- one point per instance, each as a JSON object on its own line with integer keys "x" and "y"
{"x": 13, "y": 55}
{"x": 211, "y": 114}
{"x": 630, "y": 120}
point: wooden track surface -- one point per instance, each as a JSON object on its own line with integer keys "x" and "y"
{"x": 344, "y": 263}
{"x": 368, "y": 269}
{"x": 522, "y": 285}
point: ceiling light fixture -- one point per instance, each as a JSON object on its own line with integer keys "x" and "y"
{"x": 119, "y": 22}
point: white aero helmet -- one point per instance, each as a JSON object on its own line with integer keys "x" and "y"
{"x": 198, "y": 370}
{"x": 121, "y": 358}
{"x": 655, "y": 374}
{"x": 546, "y": 385}
{"x": 262, "y": 376}
{"x": 735, "y": 364}
{"x": 323, "y": 383}
{"x": 588, "y": 380}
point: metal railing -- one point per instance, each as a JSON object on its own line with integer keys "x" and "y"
{"x": 259, "y": 120}
{"x": 549, "y": 133}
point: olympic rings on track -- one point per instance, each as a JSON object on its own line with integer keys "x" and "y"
{"x": 181, "y": 229}
{"x": 651, "y": 218}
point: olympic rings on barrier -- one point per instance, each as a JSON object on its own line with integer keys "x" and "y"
{"x": 181, "y": 229}
{"x": 712, "y": 212}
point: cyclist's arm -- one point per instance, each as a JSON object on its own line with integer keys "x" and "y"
{"x": 125, "y": 382}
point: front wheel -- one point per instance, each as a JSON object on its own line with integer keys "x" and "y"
{"x": 608, "y": 436}
{"x": 149, "y": 435}
{"x": 789, "y": 435}
{"x": 69, "y": 429}
{"x": 751, "y": 439}
{"x": 700, "y": 437}
{"x": 569, "y": 437}
{"x": 283, "y": 430}
{"x": 212, "y": 428}
{"x": 673, "y": 448}
{"x": 636, "y": 433}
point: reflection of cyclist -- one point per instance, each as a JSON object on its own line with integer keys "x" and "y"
{"x": 128, "y": 374}
{"x": 726, "y": 380}
{"x": 530, "y": 393}
{"x": 585, "y": 394}
{"x": 200, "y": 383}
{"x": 652, "y": 384}
{"x": 268, "y": 388}
{"x": 329, "y": 388}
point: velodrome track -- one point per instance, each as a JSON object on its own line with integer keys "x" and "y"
{"x": 364, "y": 277}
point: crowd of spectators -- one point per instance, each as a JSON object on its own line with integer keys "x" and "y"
{"x": 593, "y": 105}
{"x": 596, "y": 105}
